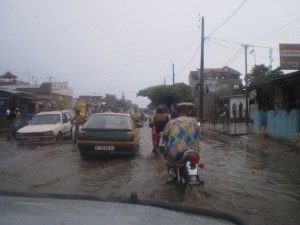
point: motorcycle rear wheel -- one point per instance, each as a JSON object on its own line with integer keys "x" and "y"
{"x": 182, "y": 185}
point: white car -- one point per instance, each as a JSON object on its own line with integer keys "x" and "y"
{"x": 46, "y": 127}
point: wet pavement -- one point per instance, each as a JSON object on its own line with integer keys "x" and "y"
{"x": 252, "y": 177}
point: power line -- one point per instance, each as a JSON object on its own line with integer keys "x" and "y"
{"x": 131, "y": 63}
{"x": 234, "y": 57}
{"x": 227, "y": 19}
{"x": 280, "y": 28}
{"x": 239, "y": 43}
{"x": 278, "y": 37}
{"x": 189, "y": 61}
{"x": 224, "y": 46}
{"x": 232, "y": 42}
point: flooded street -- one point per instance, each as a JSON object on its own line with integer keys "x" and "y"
{"x": 254, "y": 180}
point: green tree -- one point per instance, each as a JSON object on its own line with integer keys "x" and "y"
{"x": 61, "y": 103}
{"x": 261, "y": 73}
{"x": 126, "y": 105}
{"x": 166, "y": 94}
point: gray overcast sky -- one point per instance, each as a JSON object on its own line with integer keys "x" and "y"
{"x": 115, "y": 46}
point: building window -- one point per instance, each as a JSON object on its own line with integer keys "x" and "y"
{"x": 236, "y": 86}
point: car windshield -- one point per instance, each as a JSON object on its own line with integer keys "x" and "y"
{"x": 45, "y": 119}
{"x": 113, "y": 122}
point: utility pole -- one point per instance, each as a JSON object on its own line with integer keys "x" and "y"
{"x": 246, "y": 81}
{"x": 201, "y": 75}
{"x": 50, "y": 87}
{"x": 271, "y": 58}
{"x": 173, "y": 75}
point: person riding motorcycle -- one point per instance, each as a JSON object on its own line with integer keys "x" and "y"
{"x": 181, "y": 134}
{"x": 79, "y": 121}
{"x": 158, "y": 123}
{"x": 78, "y": 118}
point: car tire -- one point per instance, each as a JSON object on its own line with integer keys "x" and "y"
{"x": 59, "y": 137}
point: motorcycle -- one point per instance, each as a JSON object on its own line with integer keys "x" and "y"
{"x": 13, "y": 128}
{"x": 184, "y": 172}
{"x": 159, "y": 147}
{"x": 75, "y": 129}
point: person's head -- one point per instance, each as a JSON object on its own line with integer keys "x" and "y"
{"x": 77, "y": 111}
{"x": 184, "y": 108}
{"x": 159, "y": 109}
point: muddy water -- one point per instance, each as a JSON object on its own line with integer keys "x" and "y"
{"x": 256, "y": 179}
{"x": 242, "y": 176}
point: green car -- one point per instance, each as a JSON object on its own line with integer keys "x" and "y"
{"x": 109, "y": 133}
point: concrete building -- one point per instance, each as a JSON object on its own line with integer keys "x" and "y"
{"x": 218, "y": 82}
{"x": 39, "y": 93}
{"x": 54, "y": 91}
{"x": 277, "y": 103}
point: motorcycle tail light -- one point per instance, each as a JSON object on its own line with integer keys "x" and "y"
{"x": 194, "y": 159}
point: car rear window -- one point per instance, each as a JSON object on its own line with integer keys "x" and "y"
{"x": 46, "y": 119}
{"x": 115, "y": 122}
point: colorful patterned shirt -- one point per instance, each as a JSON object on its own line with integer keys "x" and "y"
{"x": 182, "y": 133}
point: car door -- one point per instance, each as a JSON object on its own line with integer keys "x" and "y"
{"x": 66, "y": 125}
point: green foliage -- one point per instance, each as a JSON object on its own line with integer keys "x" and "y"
{"x": 126, "y": 105}
{"x": 167, "y": 94}
{"x": 61, "y": 103}
{"x": 261, "y": 73}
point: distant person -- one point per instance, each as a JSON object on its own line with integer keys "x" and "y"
{"x": 226, "y": 113}
{"x": 234, "y": 109}
{"x": 10, "y": 116}
{"x": 17, "y": 113}
{"x": 158, "y": 123}
{"x": 7, "y": 113}
{"x": 136, "y": 116}
{"x": 241, "y": 110}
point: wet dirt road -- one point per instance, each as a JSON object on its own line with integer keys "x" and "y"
{"x": 242, "y": 177}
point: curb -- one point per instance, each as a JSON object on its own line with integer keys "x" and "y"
{"x": 231, "y": 134}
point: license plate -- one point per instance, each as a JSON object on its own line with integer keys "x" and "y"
{"x": 33, "y": 139}
{"x": 104, "y": 148}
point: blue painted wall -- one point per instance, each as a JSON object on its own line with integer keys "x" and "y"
{"x": 259, "y": 119}
{"x": 280, "y": 123}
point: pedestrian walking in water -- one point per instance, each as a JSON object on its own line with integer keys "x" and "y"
{"x": 234, "y": 109}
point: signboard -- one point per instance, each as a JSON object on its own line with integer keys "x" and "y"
{"x": 252, "y": 94}
{"x": 289, "y": 56}
{"x": 81, "y": 104}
